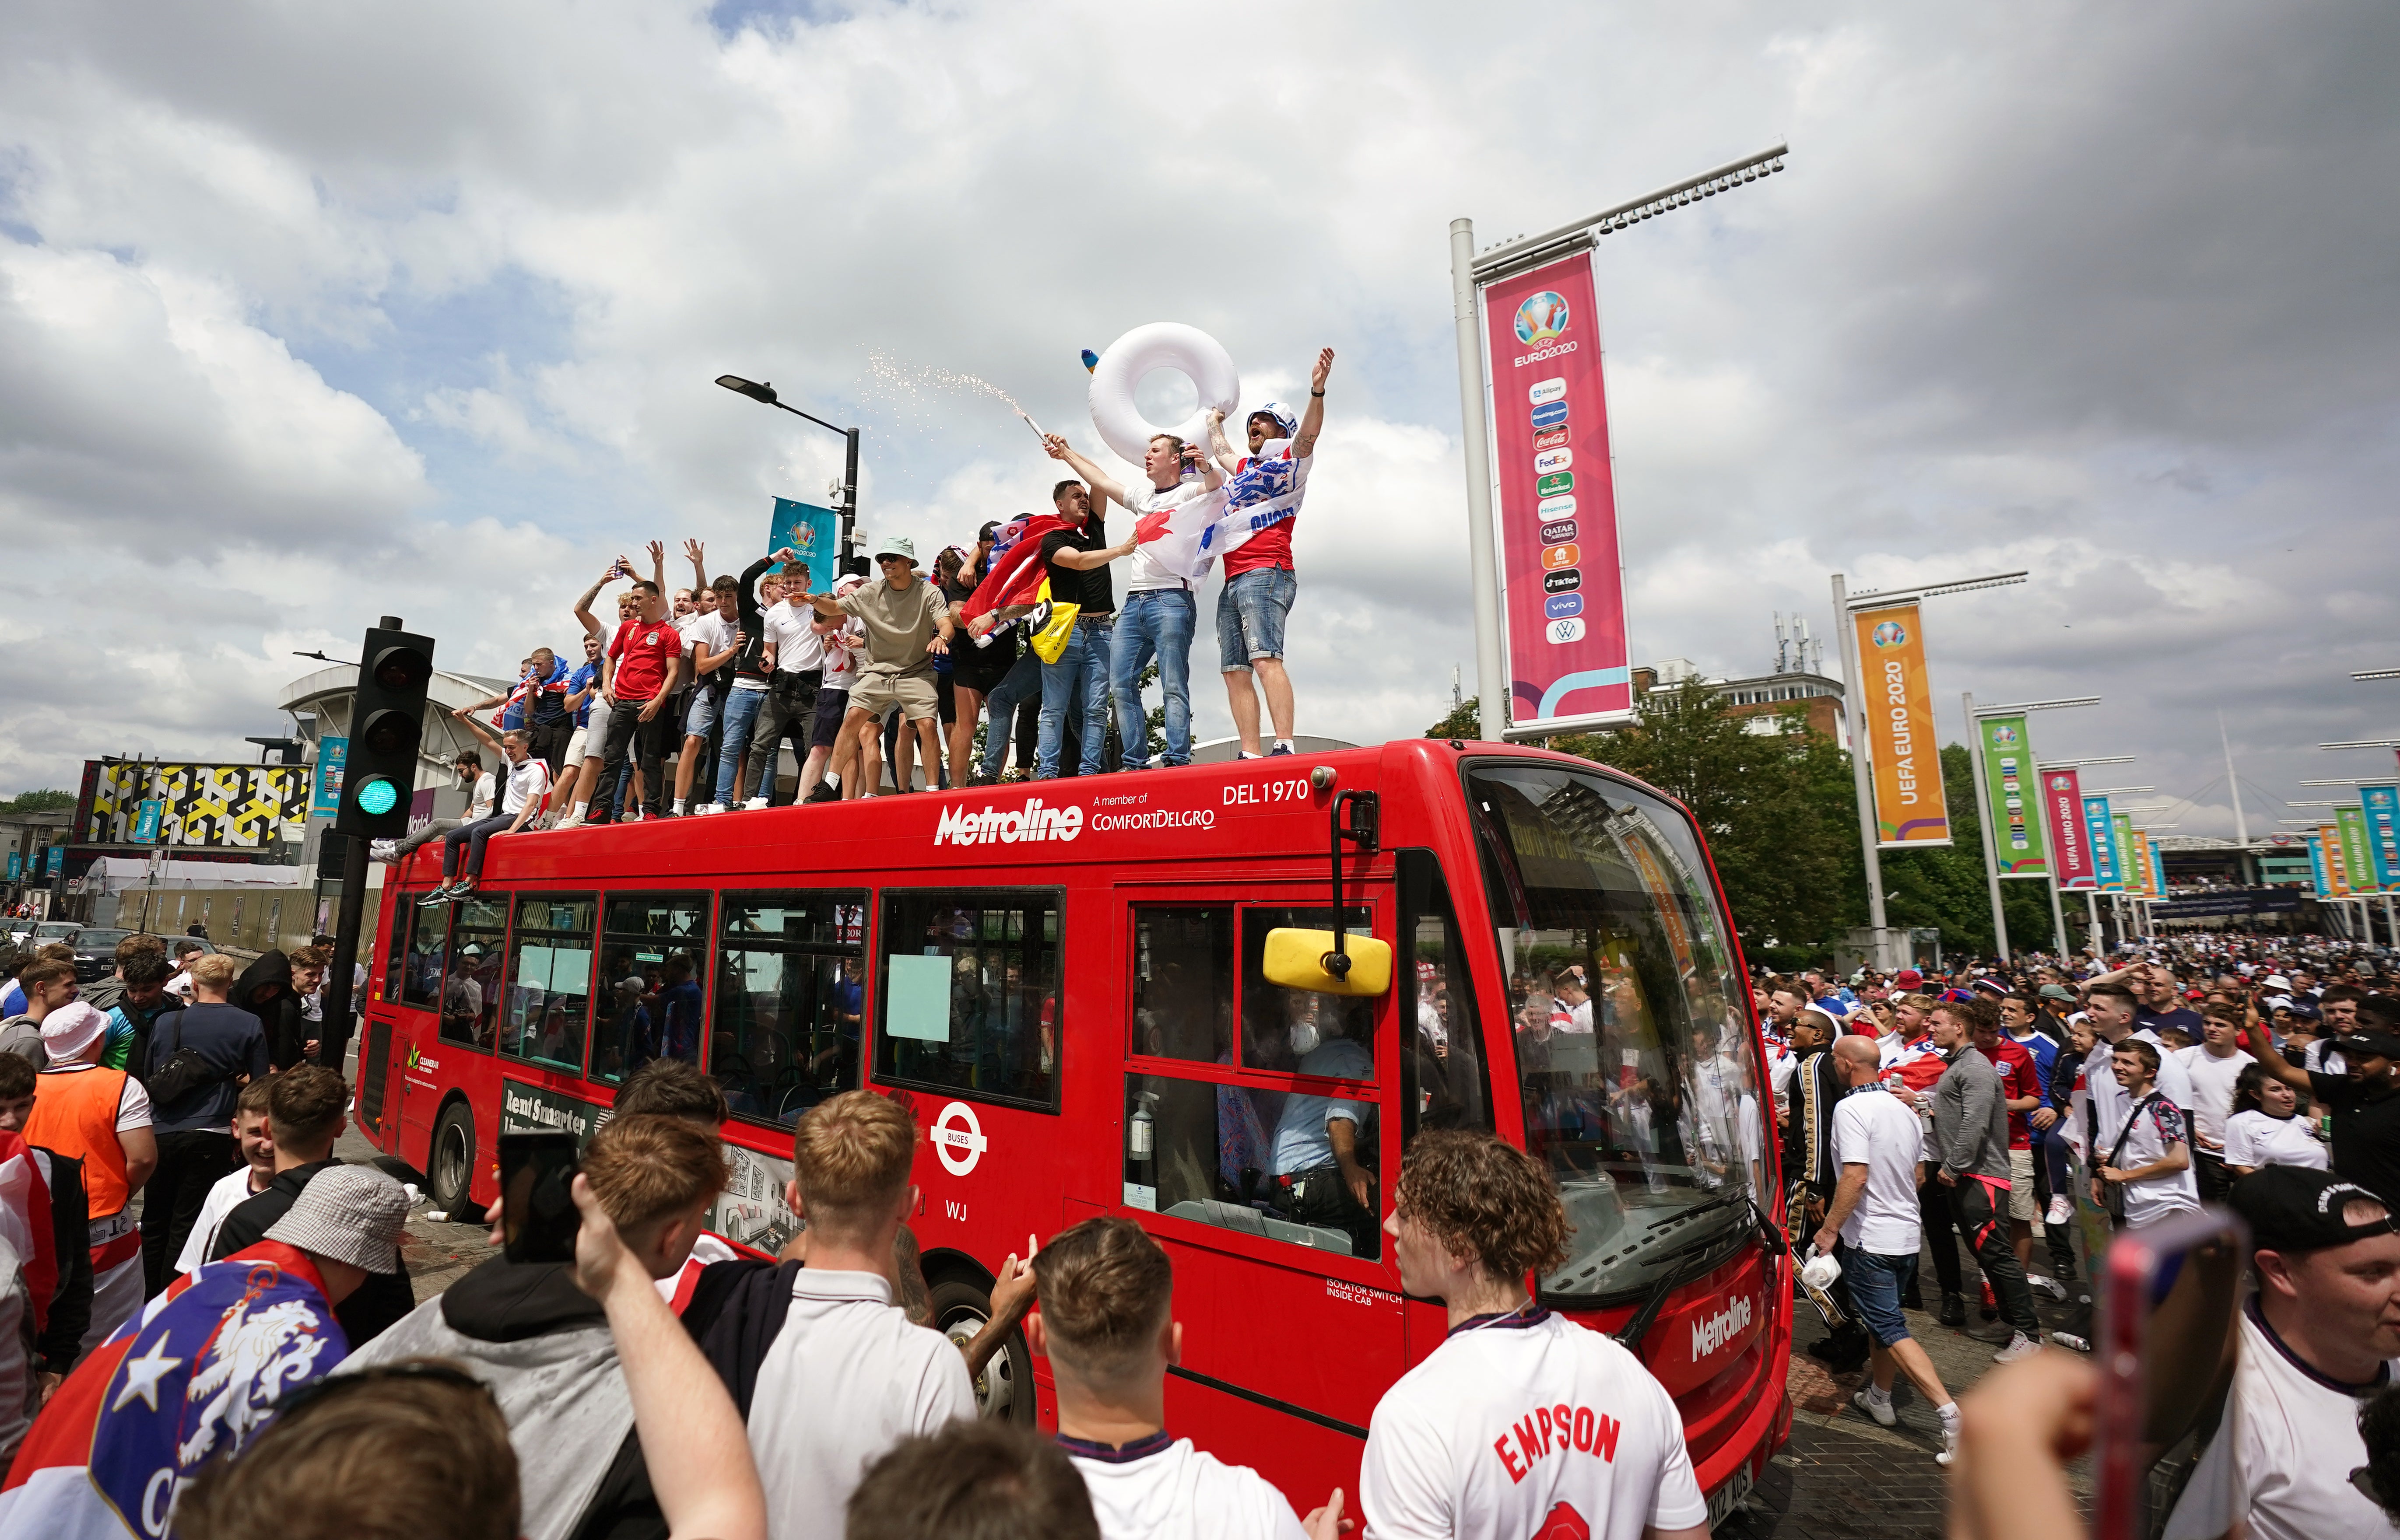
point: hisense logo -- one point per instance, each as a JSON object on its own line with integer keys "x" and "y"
{"x": 1714, "y": 1331}
{"x": 990, "y": 825}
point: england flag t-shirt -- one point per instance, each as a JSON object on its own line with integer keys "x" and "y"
{"x": 1161, "y": 1488}
{"x": 1527, "y": 1425}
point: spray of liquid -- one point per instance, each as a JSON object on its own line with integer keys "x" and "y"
{"x": 913, "y": 380}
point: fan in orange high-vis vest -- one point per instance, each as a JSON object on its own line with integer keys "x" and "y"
{"x": 102, "y": 1117}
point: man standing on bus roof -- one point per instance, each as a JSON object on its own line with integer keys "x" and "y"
{"x": 1521, "y": 1422}
{"x": 908, "y": 622}
{"x": 1254, "y": 546}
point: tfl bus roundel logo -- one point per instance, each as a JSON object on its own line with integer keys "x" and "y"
{"x": 958, "y": 1138}
{"x": 1542, "y": 317}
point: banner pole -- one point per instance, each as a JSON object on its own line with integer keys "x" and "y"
{"x": 1983, "y": 810}
{"x": 2057, "y": 918}
{"x": 1490, "y": 689}
{"x": 1862, "y": 781}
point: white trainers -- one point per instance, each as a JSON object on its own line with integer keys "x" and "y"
{"x": 383, "y": 849}
{"x": 1875, "y": 1404}
{"x": 706, "y": 809}
{"x": 2062, "y": 1209}
{"x": 1949, "y": 1435}
{"x": 754, "y": 803}
{"x": 572, "y": 821}
{"x": 2020, "y": 1346}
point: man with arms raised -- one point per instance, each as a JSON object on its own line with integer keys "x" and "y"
{"x": 2363, "y": 1098}
{"x": 1254, "y": 544}
{"x": 645, "y": 661}
{"x": 2319, "y": 1338}
{"x": 1872, "y": 1226}
{"x": 1520, "y": 1422}
{"x": 1107, "y": 1293}
{"x": 847, "y": 1376}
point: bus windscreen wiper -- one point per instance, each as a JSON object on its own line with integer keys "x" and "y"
{"x": 1630, "y": 1335}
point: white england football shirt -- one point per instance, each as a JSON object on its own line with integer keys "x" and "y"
{"x": 1870, "y": 1128}
{"x": 1523, "y": 1423}
{"x": 1161, "y": 1488}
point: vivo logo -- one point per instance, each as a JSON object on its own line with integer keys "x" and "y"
{"x": 1714, "y": 1331}
{"x": 1551, "y": 416}
{"x": 1552, "y": 459}
{"x": 1545, "y": 391}
{"x": 989, "y": 826}
{"x": 1557, "y": 606}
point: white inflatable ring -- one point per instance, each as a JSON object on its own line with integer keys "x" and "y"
{"x": 1160, "y": 345}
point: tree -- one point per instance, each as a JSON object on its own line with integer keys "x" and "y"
{"x": 47, "y": 800}
{"x": 1465, "y": 721}
{"x": 1776, "y": 807}
{"x": 1947, "y": 888}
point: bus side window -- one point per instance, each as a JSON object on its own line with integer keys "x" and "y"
{"x": 968, "y": 996}
{"x": 549, "y": 980}
{"x": 1183, "y": 982}
{"x": 429, "y": 935}
{"x": 395, "y": 950}
{"x": 652, "y": 990}
{"x": 1264, "y": 1150}
{"x": 473, "y": 983}
{"x": 1446, "y": 1082}
{"x": 789, "y": 1001}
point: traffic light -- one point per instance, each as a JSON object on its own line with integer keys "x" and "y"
{"x": 387, "y": 720}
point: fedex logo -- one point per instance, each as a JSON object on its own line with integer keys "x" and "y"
{"x": 1543, "y": 392}
{"x": 1552, "y": 459}
{"x": 1028, "y": 824}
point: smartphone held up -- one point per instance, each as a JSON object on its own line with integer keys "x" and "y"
{"x": 539, "y": 1220}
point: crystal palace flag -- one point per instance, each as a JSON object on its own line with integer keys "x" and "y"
{"x": 197, "y": 1374}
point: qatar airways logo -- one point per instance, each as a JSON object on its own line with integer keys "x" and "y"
{"x": 991, "y": 827}
{"x": 1713, "y": 1333}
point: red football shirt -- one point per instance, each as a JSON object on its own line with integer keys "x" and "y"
{"x": 2019, "y": 1078}
{"x": 644, "y": 651}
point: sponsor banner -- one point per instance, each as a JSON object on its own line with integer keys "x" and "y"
{"x": 15, "y": 866}
{"x": 1543, "y": 332}
{"x": 2320, "y": 878}
{"x": 2382, "y": 807}
{"x": 2108, "y": 873}
{"x": 2010, "y": 786}
{"x": 2062, "y": 818}
{"x": 2357, "y": 851}
{"x": 331, "y": 755}
{"x": 2128, "y": 851}
{"x": 217, "y": 807}
{"x": 57, "y": 862}
{"x": 2336, "y": 872}
{"x": 812, "y": 532}
{"x": 1896, "y": 696}
{"x": 2158, "y": 872}
{"x": 147, "y": 820}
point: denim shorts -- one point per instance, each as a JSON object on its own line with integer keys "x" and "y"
{"x": 1249, "y": 615}
{"x": 1874, "y": 1284}
{"x": 700, "y": 720}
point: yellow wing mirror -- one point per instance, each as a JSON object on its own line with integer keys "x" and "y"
{"x": 1297, "y": 959}
{"x": 1333, "y": 963}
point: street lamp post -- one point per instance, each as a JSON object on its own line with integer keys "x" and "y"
{"x": 1983, "y": 805}
{"x": 1846, "y": 604}
{"x": 843, "y": 559}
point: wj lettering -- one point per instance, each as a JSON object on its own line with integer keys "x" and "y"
{"x": 1558, "y": 1430}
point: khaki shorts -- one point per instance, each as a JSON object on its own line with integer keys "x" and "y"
{"x": 877, "y": 693}
{"x": 585, "y": 744}
{"x": 2021, "y": 1205}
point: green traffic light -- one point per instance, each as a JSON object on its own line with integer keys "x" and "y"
{"x": 377, "y": 796}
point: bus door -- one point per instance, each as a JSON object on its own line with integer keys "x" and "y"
{"x": 1259, "y": 1135}
{"x": 419, "y": 944}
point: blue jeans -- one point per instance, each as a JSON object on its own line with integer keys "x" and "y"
{"x": 1079, "y": 678}
{"x": 1158, "y": 622}
{"x": 1022, "y": 680}
{"x": 740, "y": 716}
{"x": 1874, "y": 1290}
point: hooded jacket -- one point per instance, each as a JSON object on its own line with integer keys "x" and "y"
{"x": 282, "y": 1012}
{"x": 543, "y": 1347}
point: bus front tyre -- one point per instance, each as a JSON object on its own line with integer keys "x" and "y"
{"x": 450, "y": 1164}
{"x": 1005, "y": 1389}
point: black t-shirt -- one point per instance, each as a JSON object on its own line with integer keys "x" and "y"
{"x": 2159, "y": 1021}
{"x": 229, "y": 1038}
{"x": 2366, "y": 1134}
{"x": 1091, "y": 589}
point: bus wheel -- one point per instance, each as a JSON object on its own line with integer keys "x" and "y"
{"x": 450, "y": 1168}
{"x": 1005, "y": 1389}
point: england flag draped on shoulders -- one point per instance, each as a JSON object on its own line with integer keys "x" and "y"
{"x": 1265, "y": 489}
{"x": 198, "y": 1374}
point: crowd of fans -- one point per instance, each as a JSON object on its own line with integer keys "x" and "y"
{"x": 1018, "y": 637}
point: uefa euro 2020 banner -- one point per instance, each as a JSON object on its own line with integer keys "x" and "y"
{"x": 2357, "y": 851}
{"x": 811, "y": 532}
{"x": 219, "y": 807}
{"x": 2129, "y": 859}
{"x": 2010, "y": 783}
{"x": 2382, "y": 807}
{"x": 2070, "y": 837}
{"x": 1557, "y": 507}
{"x": 2319, "y": 872}
{"x": 2107, "y": 875}
{"x": 1898, "y": 701}
{"x": 2329, "y": 851}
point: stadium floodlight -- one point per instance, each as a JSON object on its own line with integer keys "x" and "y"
{"x": 2079, "y": 764}
{"x": 1885, "y": 598}
{"x": 2111, "y": 791}
{"x": 2290, "y": 804}
{"x": 2036, "y": 705}
{"x": 2365, "y": 743}
{"x": 2377, "y": 674}
{"x": 1520, "y": 251}
{"x": 2351, "y": 781}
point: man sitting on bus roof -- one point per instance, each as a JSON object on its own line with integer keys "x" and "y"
{"x": 1456, "y": 1449}
{"x": 1107, "y": 1293}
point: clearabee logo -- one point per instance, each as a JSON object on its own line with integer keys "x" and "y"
{"x": 1028, "y": 824}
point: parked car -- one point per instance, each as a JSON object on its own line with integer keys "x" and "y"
{"x": 96, "y": 952}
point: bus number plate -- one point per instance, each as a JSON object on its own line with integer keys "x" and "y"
{"x": 1728, "y": 1497}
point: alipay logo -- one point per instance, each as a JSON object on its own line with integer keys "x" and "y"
{"x": 1545, "y": 391}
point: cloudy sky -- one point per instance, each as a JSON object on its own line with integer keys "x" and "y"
{"x": 313, "y": 313}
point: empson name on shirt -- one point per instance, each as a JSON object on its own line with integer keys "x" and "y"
{"x": 1560, "y": 1429}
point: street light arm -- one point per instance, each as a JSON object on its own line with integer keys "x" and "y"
{"x": 819, "y": 421}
